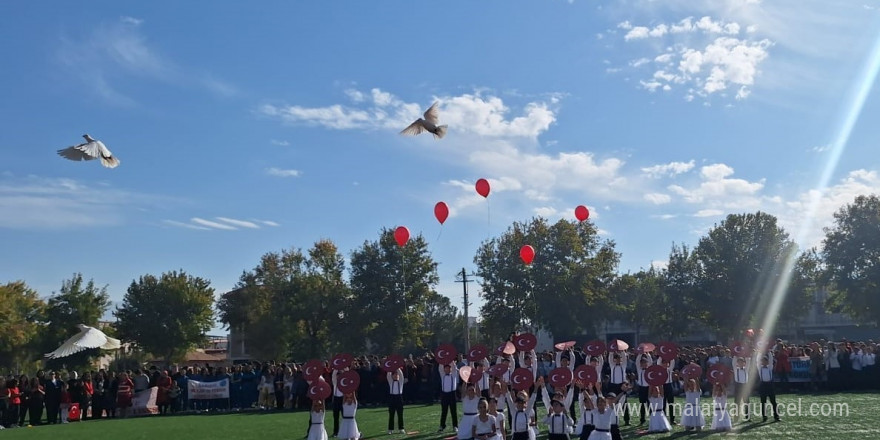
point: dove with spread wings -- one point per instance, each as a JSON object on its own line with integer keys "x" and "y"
{"x": 427, "y": 123}
{"x": 89, "y": 150}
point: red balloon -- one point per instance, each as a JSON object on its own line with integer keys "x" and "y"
{"x": 441, "y": 211}
{"x": 581, "y": 212}
{"x": 482, "y": 187}
{"x": 401, "y": 235}
{"x": 527, "y": 253}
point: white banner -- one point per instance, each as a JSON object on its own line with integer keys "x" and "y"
{"x": 208, "y": 390}
{"x": 144, "y": 402}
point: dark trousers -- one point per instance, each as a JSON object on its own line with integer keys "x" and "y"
{"x": 669, "y": 398}
{"x": 521, "y": 435}
{"x": 643, "y": 403}
{"x": 447, "y": 404}
{"x": 36, "y": 412}
{"x": 615, "y": 432}
{"x": 337, "y": 411}
{"x": 741, "y": 397}
{"x": 557, "y": 437}
{"x": 585, "y": 431}
{"x": 12, "y": 414}
{"x": 395, "y": 406}
{"x": 53, "y": 410}
{"x": 766, "y": 391}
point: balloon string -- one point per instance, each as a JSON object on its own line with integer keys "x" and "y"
{"x": 488, "y": 219}
{"x": 440, "y": 233}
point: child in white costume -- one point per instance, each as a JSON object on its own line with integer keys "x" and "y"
{"x": 317, "y": 431}
{"x": 348, "y": 429}
{"x": 656, "y": 401}
{"x": 692, "y": 416}
{"x": 721, "y": 420}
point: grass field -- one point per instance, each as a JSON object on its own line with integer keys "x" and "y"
{"x": 863, "y": 422}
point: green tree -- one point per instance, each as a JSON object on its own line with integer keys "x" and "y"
{"x": 78, "y": 302}
{"x": 637, "y": 297}
{"x": 851, "y": 255}
{"x": 676, "y": 311}
{"x": 168, "y": 315}
{"x": 21, "y": 318}
{"x": 567, "y": 281}
{"x": 291, "y": 304}
{"x": 319, "y": 300}
{"x": 742, "y": 261}
{"x": 443, "y": 322}
{"x": 390, "y": 288}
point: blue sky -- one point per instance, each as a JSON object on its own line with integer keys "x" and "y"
{"x": 248, "y": 129}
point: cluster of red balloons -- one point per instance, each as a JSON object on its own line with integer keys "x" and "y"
{"x": 441, "y": 212}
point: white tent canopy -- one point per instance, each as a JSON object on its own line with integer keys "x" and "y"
{"x": 88, "y": 337}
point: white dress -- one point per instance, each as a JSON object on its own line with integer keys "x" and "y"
{"x": 499, "y": 425}
{"x": 481, "y": 426}
{"x": 349, "y": 427}
{"x": 317, "y": 431}
{"x": 692, "y": 415}
{"x": 469, "y": 408}
{"x": 721, "y": 420}
{"x": 658, "y": 421}
{"x": 602, "y": 423}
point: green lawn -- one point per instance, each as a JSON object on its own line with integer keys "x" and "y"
{"x": 863, "y": 422}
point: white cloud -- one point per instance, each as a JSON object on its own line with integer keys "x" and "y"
{"x": 211, "y": 224}
{"x": 36, "y": 202}
{"x": 717, "y": 190}
{"x": 279, "y": 143}
{"x": 821, "y": 148}
{"x": 185, "y": 225}
{"x": 668, "y": 169}
{"x": 239, "y": 223}
{"x": 221, "y": 223}
{"x": 110, "y": 51}
{"x": 708, "y": 213}
{"x": 278, "y": 172}
{"x": 658, "y": 198}
{"x": 639, "y": 62}
{"x": 625, "y": 25}
{"x": 468, "y": 113}
{"x": 637, "y": 33}
{"x": 355, "y": 95}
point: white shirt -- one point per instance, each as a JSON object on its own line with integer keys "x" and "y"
{"x": 558, "y": 423}
{"x": 766, "y": 373}
{"x": 522, "y": 419}
{"x": 868, "y": 360}
{"x": 449, "y": 382}
{"x": 481, "y": 427}
{"x": 395, "y": 387}
{"x": 618, "y": 372}
{"x": 856, "y": 360}
{"x": 741, "y": 374}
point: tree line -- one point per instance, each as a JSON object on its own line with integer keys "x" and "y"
{"x": 302, "y": 304}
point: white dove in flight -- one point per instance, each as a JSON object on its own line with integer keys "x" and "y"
{"x": 428, "y": 123}
{"x": 90, "y": 149}
{"x": 88, "y": 337}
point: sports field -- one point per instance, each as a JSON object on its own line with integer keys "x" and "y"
{"x": 862, "y": 422}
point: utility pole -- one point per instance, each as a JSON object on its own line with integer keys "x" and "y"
{"x": 462, "y": 277}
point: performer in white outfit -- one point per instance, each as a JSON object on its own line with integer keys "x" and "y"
{"x": 559, "y": 424}
{"x": 721, "y": 417}
{"x": 500, "y": 425}
{"x": 348, "y": 429}
{"x": 656, "y": 401}
{"x": 470, "y": 408}
{"x": 482, "y": 426}
{"x": 395, "y": 400}
{"x": 604, "y": 416}
{"x": 741, "y": 390}
{"x": 523, "y": 422}
{"x": 692, "y": 416}
{"x": 317, "y": 431}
